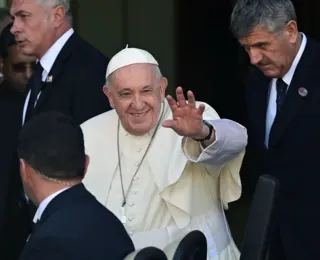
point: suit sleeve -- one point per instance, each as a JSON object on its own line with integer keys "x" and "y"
{"x": 62, "y": 248}
{"x": 47, "y": 248}
{"x": 88, "y": 98}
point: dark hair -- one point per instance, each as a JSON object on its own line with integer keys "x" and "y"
{"x": 52, "y": 144}
{"x": 273, "y": 15}
{"x": 6, "y": 40}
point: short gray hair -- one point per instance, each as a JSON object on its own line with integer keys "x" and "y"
{"x": 157, "y": 71}
{"x": 273, "y": 15}
{"x": 54, "y": 3}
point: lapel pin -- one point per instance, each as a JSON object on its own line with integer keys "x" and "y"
{"x": 49, "y": 78}
{"x": 303, "y": 92}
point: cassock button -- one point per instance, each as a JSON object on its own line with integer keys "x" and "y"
{"x": 134, "y": 192}
{"x": 137, "y": 164}
{"x": 131, "y": 204}
{"x": 135, "y": 178}
{"x": 139, "y": 150}
{"x": 130, "y": 219}
{"x": 130, "y": 233}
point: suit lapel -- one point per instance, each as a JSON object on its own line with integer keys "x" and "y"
{"x": 294, "y": 101}
{"x": 57, "y": 69}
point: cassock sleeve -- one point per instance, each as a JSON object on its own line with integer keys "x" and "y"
{"x": 231, "y": 139}
{"x": 224, "y": 156}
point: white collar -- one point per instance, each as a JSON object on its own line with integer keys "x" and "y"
{"x": 289, "y": 75}
{"x": 45, "y": 203}
{"x": 50, "y": 56}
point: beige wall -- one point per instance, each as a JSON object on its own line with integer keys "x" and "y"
{"x": 150, "y": 26}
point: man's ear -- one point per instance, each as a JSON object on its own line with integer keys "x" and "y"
{"x": 107, "y": 92}
{"x": 86, "y": 164}
{"x": 24, "y": 173}
{"x": 58, "y": 15}
{"x": 291, "y": 31}
{"x": 163, "y": 87}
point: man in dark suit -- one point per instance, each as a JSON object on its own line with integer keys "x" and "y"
{"x": 70, "y": 73}
{"x": 283, "y": 99}
{"x": 69, "y": 223}
{"x": 17, "y": 69}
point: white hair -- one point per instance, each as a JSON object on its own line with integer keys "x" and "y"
{"x": 54, "y": 3}
{"x": 156, "y": 71}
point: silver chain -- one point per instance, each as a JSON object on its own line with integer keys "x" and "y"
{"x": 144, "y": 155}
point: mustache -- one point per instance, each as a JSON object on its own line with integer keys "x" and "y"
{"x": 264, "y": 63}
{"x": 20, "y": 38}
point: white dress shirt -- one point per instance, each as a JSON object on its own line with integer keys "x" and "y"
{"x": 47, "y": 62}
{"x": 45, "y": 203}
{"x": 272, "y": 105}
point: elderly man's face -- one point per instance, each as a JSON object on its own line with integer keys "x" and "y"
{"x": 272, "y": 53}
{"x": 136, "y": 94}
{"x": 33, "y": 26}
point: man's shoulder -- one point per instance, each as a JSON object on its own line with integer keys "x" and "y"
{"x": 87, "y": 51}
{"x": 83, "y": 218}
{"x": 99, "y": 121}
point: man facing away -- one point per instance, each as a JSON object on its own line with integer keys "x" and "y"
{"x": 70, "y": 72}
{"x": 163, "y": 167}
{"x": 69, "y": 223}
{"x": 283, "y": 110}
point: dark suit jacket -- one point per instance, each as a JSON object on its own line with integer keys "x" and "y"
{"x": 76, "y": 226}
{"x": 78, "y": 75}
{"x": 13, "y": 212}
{"x": 293, "y": 155}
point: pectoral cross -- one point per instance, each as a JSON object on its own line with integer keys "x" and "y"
{"x": 123, "y": 216}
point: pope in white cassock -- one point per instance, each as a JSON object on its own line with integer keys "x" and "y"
{"x": 163, "y": 167}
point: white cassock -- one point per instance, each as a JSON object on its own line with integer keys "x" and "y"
{"x": 179, "y": 186}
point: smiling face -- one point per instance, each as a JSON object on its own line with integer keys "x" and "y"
{"x": 273, "y": 53}
{"x": 136, "y": 93}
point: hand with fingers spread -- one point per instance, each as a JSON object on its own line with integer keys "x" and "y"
{"x": 186, "y": 117}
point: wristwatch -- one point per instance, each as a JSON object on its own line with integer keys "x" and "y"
{"x": 205, "y": 122}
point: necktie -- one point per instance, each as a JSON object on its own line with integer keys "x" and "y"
{"x": 281, "y": 93}
{"x": 35, "y": 90}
